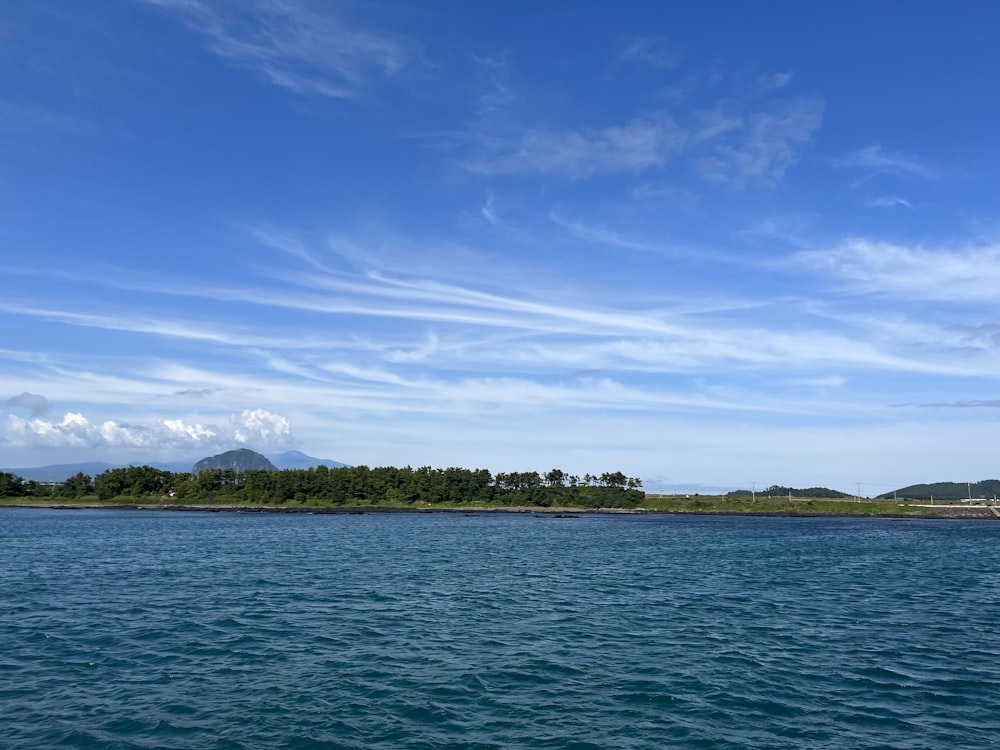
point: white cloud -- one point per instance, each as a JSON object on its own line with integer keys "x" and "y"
{"x": 263, "y": 429}
{"x": 828, "y": 381}
{"x": 889, "y": 201}
{"x": 184, "y": 431}
{"x": 773, "y": 81}
{"x": 653, "y": 51}
{"x": 489, "y": 211}
{"x": 191, "y": 330}
{"x": 714, "y": 123}
{"x": 294, "y": 44}
{"x": 260, "y": 429}
{"x": 753, "y": 137}
{"x": 661, "y": 192}
{"x": 968, "y": 404}
{"x": 877, "y": 158}
{"x": 419, "y": 353}
{"x": 872, "y": 267}
{"x": 766, "y": 147}
{"x": 633, "y": 147}
{"x": 602, "y": 235}
{"x": 499, "y": 92}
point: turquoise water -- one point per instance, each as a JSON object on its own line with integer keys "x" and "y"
{"x": 133, "y": 629}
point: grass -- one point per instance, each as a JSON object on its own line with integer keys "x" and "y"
{"x": 783, "y": 506}
{"x": 675, "y": 504}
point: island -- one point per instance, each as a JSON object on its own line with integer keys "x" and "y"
{"x": 352, "y": 489}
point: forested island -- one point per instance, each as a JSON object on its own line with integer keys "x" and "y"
{"x": 354, "y": 485}
{"x": 354, "y": 488}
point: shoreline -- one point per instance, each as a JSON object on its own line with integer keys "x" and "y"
{"x": 929, "y": 512}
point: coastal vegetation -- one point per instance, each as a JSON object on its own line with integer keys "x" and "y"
{"x": 780, "y": 491}
{"x": 354, "y": 485}
{"x": 800, "y": 504}
{"x": 426, "y": 488}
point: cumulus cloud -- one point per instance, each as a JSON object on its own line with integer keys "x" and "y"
{"x": 262, "y": 428}
{"x": 31, "y": 402}
{"x": 259, "y": 429}
{"x": 74, "y": 430}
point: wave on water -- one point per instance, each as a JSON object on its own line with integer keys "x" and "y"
{"x": 157, "y": 630}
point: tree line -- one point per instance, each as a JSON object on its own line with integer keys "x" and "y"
{"x": 353, "y": 485}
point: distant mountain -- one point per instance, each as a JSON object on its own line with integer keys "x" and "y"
{"x": 299, "y": 460}
{"x": 948, "y": 490}
{"x": 60, "y": 472}
{"x": 242, "y": 459}
{"x": 177, "y": 467}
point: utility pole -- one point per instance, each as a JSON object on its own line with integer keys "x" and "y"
{"x": 859, "y": 491}
{"x": 753, "y": 492}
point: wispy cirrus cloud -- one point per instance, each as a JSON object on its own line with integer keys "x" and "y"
{"x": 880, "y": 160}
{"x": 579, "y": 153}
{"x": 488, "y": 209}
{"x": 772, "y": 82}
{"x": 971, "y": 404}
{"x": 889, "y": 201}
{"x": 305, "y": 47}
{"x": 169, "y": 327}
{"x": 654, "y": 51}
{"x": 911, "y": 272}
{"x": 499, "y": 92}
{"x": 602, "y": 235}
{"x": 764, "y": 146}
{"x": 469, "y": 328}
{"x": 737, "y": 144}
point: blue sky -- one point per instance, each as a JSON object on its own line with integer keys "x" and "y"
{"x": 707, "y": 244}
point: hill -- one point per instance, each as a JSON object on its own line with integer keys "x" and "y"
{"x": 299, "y": 460}
{"x": 241, "y": 459}
{"x": 60, "y": 472}
{"x": 948, "y": 490}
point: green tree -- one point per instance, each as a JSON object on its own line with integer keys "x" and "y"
{"x": 11, "y": 485}
{"x": 556, "y": 478}
{"x": 77, "y": 485}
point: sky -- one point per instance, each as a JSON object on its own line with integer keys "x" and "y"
{"x": 711, "y": 245}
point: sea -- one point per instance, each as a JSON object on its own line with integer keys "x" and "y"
{"x": 159, "y": 629}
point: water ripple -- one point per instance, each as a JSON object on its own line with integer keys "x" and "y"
{"x": 160, "y": 630}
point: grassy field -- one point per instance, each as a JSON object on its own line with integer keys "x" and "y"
{"x": 784, "y": 506}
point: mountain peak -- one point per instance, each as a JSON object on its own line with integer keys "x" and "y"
{"x": 241, "y": 459}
